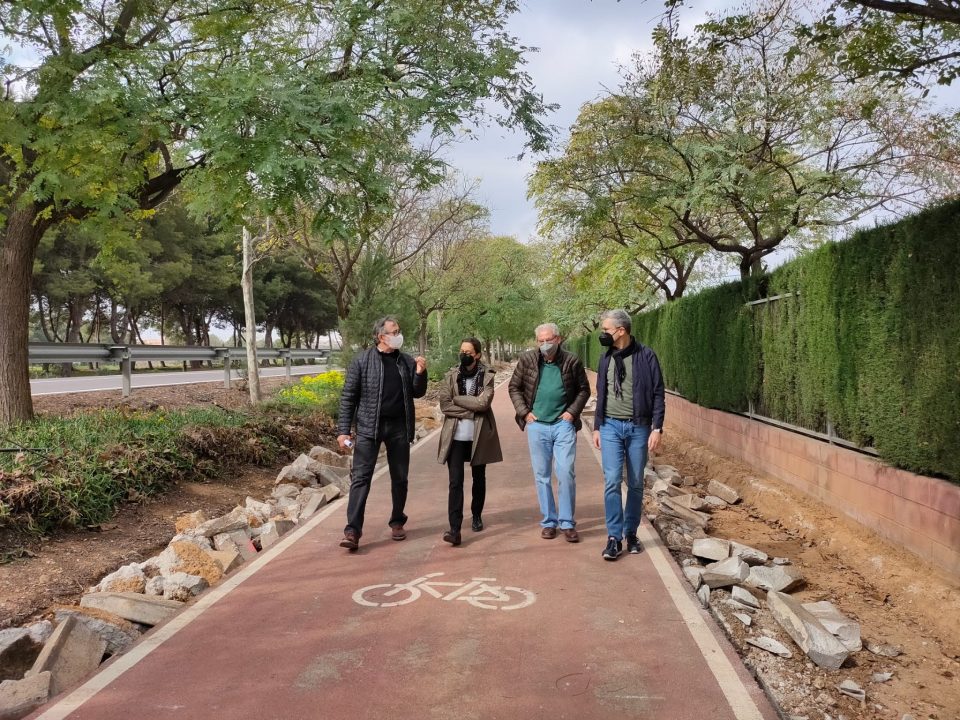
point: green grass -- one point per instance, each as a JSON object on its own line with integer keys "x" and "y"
{"x": 88, "y": 465}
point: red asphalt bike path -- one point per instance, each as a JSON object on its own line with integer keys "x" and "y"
{"x": 526, "y": 627}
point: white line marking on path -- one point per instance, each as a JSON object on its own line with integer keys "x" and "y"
{"x": 731, "y": 685}
{"x": 481, "y": 595}
{"x": 70, "y": 703}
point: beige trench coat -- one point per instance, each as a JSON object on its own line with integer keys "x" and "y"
{"x": 486, "y": 441}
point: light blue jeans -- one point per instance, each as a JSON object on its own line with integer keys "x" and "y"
{"x": 623, "y": 441}
{"x": 554, "y": 448}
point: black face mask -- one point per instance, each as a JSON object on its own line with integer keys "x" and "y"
{"x": 606, "y": 339}
{"x": 466, "y": 360}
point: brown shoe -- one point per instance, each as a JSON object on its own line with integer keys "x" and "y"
{"x": 350, "y": 540}
{"x": 452, "y": 537}
{"x": 572, "y": 535}
{"x": 548, "y": 533}
{"x": 397, "y": 532}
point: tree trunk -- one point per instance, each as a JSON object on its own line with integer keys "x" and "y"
{"x": 114, "y": 323}
{"x": 76, "y": 309}
{"x": 18, "y": 247}
{"x": 246, "y": 284}
{"x": 422, "y": 334}
{"x": 43, "y": 318}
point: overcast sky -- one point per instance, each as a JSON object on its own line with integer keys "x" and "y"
{"x": 581, "y": 46}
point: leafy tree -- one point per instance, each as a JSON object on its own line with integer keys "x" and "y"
{"x": 893, "y": 40}
{"x": 503, "y": 303}
{"x": 592, "y": 202}
{"x": 195, "y": 268}
{"x": 294, "y": 299}
{"x": 267, "y": 101}
{"x": 65, "y": 284}
{"x": 440, "y": 234}
{"x": 743, "y": 143}
{"x": 575, "y": 291}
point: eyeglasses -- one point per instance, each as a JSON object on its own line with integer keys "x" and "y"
{"x": 394, "y": 333}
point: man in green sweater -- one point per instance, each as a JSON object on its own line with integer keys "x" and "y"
{"x": 549, "y": 389}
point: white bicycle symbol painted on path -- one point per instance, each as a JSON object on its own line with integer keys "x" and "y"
{"x": 477, "y": 592}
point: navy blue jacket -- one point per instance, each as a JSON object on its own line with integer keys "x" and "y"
{"x": 648, "y": 403}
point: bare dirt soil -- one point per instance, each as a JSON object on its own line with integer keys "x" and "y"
{"x": 39, "y": 573}
{"x": 894, "y": 595}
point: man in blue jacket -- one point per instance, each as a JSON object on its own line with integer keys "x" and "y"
{"x": 628, "y": 424}
{"x": 378, "y": 394}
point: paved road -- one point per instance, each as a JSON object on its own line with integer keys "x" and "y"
{"x": 58, "y": 386}
{"x": 528, "y": 628}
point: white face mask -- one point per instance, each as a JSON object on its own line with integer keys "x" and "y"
{"x": 395, "y": 341}
{"x": 547, "y": 348}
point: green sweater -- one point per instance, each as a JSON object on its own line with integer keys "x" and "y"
{"x": 551, "y": 400}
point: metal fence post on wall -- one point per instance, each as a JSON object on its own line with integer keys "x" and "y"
{"x": 126, "y": 367}
{"x": 227, "y": 367}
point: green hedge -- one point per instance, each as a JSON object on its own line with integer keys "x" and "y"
{"x": 867, "y": 337}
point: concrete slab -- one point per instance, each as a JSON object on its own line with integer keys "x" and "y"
{"x": 72, "y": 652}
{"x": 143, "y": 609}
{"x": 807, "y": 632}
{"x": 19, "y": 697}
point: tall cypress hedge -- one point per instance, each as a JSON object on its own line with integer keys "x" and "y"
{"x": 867, "y": 336}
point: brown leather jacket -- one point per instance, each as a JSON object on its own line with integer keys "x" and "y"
{"x": 526, "y": 378}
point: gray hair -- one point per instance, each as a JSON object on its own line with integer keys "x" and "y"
{"x": 621, "y": 318}
{"x": 379, "y": 328}
{"x": 552, "y": 327}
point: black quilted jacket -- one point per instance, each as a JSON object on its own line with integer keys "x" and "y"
{"x": 360, "y": 400}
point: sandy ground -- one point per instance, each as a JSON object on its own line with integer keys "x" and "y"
{"x": 896, "y": 598}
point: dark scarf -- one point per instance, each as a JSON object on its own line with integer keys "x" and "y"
{"x": 462, "y": 376}
{"x": 621, "y": 371}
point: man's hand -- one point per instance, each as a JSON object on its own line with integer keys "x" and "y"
{"x": 653, "y": 442}
{"x": 531, "y": 417}
{"x": 421, "y": 364}
{"x": 567, "y": 416}
{"x": 596, "y": 439}
{"x": 342, "y": 441}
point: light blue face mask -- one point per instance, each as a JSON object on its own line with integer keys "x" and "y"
{"x": 547, "y": 348}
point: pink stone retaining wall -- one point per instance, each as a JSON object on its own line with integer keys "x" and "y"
{"x": 915, "y": 512}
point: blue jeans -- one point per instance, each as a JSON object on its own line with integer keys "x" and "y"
{"x": 622, "y": 440}
{"x": 554, "y": 445}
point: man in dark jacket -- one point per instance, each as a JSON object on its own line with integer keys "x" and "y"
{"x": 377, "y": 396}
{"x": 549, "y": 389}
{"x": 628, "y": 424}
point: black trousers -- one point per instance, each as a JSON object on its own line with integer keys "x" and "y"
{"x": 460, "y": 454}
{"x": 392, "y": 433}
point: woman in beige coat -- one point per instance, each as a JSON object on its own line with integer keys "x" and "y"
{"x": 469, "y": 434}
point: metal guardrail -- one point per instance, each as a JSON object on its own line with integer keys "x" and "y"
{"x": 127, "y": 355}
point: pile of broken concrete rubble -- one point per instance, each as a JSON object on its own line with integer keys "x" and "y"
{"x": 736, "y": 581}
{"x": 52, "y": 655}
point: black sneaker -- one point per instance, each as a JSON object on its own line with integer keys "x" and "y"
{"x": 613, "y": 549}
{"x": 633, "y": 545}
